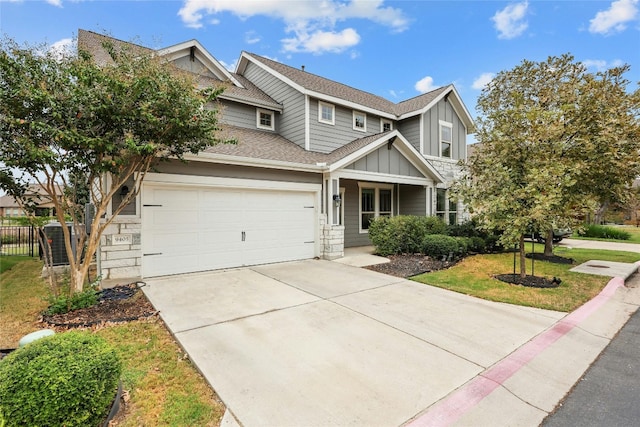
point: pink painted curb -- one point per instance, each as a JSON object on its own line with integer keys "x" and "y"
{"x": 451, "y": 408}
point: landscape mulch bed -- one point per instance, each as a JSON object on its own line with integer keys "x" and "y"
{"x": 530, "y": 281}
{"x": 407, "y": 265}
{"x": 553, "y": 258}
{"x": 122, "y": 303}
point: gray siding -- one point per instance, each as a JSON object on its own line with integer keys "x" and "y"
{"x": 387, "y": 161}
{"x": 290, "y": 123}
{"x": 194, "y": 66}
{"x": 241, "y": 172}
{"x": 413, "y": 200}
{"x": 242, "y": 115}
{"x": 410, "y": 129}
{"x": 352, "y": 236}
{"x": 443, "y": 111}
{"x": 326, "y": 138}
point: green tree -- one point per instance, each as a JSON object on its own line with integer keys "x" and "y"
{"x": 545, "y": 129}
{"x": 81, "y": 130}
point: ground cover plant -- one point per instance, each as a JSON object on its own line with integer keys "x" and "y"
{"x": 475, "y": 276}
{"x": 161, "y": 385}
{"x": 604, "y": 232}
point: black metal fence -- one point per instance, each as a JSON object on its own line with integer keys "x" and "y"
{"x": 19, "y": 240}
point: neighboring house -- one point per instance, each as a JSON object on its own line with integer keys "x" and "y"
{"x": 9, "y": 207}
{"x": 315, "y": 161}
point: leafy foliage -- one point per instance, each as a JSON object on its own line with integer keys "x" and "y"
{"x": 403, "y": 233}
{"x": 440, "y": 245}
{"x": 80, "y": 129}
{"x": 66, "y": 379}
{"x": 604, "y": 232}
{"x": 542, "y": 128}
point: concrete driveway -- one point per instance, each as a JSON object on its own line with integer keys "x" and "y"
{"x": 321, "y": 343}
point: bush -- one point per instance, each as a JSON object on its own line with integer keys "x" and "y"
{"x": 67, "y": 379}
{"x": 604, "y": 232}
{"x": 477, "y": 245}
{"x": 403, "y": 233}
{"x": 65, "y": 303}
{"x": 440, "y": 245}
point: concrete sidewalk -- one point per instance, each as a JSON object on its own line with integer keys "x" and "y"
{"x": 323, "y": 343}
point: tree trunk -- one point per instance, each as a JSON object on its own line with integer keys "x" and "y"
{"x": 548, "y": 244}
{"x": 523, "y": 259}
{"x": 599, "y": 217}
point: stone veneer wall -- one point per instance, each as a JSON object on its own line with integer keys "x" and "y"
{"x": 451, "y": 172}
{"x": 120, "y": 250}
{"x": 331, "y": 240}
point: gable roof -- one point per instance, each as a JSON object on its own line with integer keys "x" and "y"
{"x": 332, "y": 91}
{"x": 268, "y": 149}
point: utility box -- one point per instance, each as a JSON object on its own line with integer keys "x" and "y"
{"x": 54, "y": 235}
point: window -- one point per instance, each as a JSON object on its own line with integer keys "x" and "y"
{"x": 446, "y": 209}
{"x": 441, "y": 203}
{"x": 385, "y": 125}
{"x": 326, "y": 113}
{"x": 265, "y": 120}
{"x": 453, "y": 211}
{"x": 359, "y": 121}
{"x": 446, "y": 139}
{"x": 375, "y": 201}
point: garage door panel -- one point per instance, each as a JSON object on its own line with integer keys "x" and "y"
{"x": 206, "y": 228}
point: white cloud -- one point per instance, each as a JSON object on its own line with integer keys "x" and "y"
{"x": 251, "y": 37}
{"x": 482, "y": 80}
{"x": 57, "y": 3}
{"x": 601, "y": 64}
{"x": 312, "y": 24}
{"x": 63, "y": 48}
{"x": 510, "y": 21}
{"x": 615, "y": 18}
{"x": 230, "y": 67}
{"x": 322, "y": 41}
{"x": 425, "y": 85}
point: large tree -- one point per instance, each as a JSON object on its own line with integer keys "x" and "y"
{"x": 555, "y": 141}
{"x": 82, "y": 130}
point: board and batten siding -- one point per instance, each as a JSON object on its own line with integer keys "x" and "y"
{"x": 410, "y": 129}
{"x": 412, "y": 200}
{"x": 445, "y": 112}
{"x": 242, "y": 115}
{"x": 195, "y": 66}
{"x": 385, "y": 161}
{"x": 291, "y": 123}
{"x": 326, "y": 138}
{"x": 352, "y": 235}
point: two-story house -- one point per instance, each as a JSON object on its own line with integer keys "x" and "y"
{"x": 315, "y": 161}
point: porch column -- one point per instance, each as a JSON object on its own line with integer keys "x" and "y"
{"x": 332, "y": 239}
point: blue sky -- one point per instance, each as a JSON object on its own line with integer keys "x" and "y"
{"x": 395, "y": 49}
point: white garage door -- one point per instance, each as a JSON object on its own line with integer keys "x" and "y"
{"x": 189, "y": 229}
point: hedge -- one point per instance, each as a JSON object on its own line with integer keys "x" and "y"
{"x": 66, "y": 379}
{"x": 403, "y": 233}
{"x": 604, "y": 232}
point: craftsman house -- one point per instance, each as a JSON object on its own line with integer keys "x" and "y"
{"x": 315, "y": 161}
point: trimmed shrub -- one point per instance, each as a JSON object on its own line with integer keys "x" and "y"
{"x": 66, "y": 379}
{"x": 477, "y": 245}
{"x": 439, "y": 245}
{"x": 403, "y": 233}
{"x": 604, "y": 232}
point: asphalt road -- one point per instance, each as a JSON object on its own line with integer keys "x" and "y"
{"x": 609, "y": 392}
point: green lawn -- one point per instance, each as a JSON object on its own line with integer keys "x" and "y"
{"x": 475, "y": 276}
{"x": 163, "y": 387}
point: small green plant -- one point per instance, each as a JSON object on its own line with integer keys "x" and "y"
{"x": 604, "y": 232}
{"x": 440, "y": 245}
{"x": 403, "y": 233}
{"x": 66, "y": 301}
{"x": 66, "y": 379}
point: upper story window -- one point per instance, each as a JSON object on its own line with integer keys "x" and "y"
{"x": 326, "y": 113}
{"x": 359, "y": 121}
{"x": 386, "y": 125}
{"x": 265, "y": 119}
{"x": 446, "y": 138}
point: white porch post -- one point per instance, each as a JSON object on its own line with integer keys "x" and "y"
{"x": 332, "y": 239}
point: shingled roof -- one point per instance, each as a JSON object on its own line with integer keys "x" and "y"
{"x": 332, "y": 88}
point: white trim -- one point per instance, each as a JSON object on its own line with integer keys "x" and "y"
{"x": 382, "y": 123}
{"x": 173, "y": 52}
{"x": 333, "y": 113}
{"x": 354, "y": 115}
{"x": 214, "y": 181}
{"x": 307, "y": 124}
{"x": 380, "y": 177}
{"x": 251, "y": 161}
{"x": 422, "y": 152}
{"x": 260, "y": 111}
{"x": 341, "y": 191}
{"x": 376, "y": 201}
{"x": 445, "y": 124}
